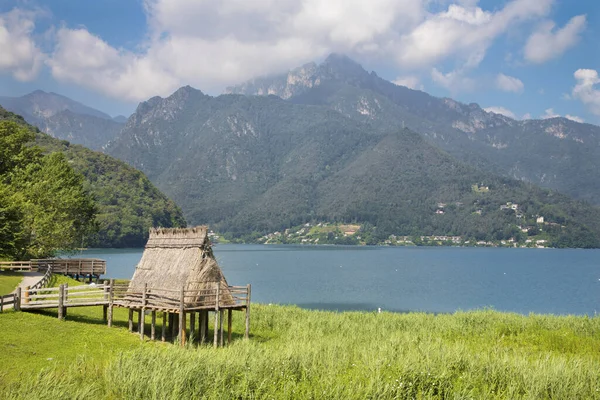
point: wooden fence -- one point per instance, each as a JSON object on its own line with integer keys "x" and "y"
{"x": 172, "y": 302}
{"x": 68, "y": 266}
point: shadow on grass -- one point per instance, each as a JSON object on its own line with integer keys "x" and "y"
{"x": 169, "y": 337}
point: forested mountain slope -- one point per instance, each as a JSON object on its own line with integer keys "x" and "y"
{"x": 259, "y": 164}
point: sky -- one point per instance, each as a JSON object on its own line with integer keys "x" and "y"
{"x": 521, "y": 58}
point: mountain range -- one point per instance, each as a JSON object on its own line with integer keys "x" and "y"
{"x": 254, "y": 164}
{"x": 63, "y": 118}
{"x": 332, "y": 142}
{"x": 556, "y": 153}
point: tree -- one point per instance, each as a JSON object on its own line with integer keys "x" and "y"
{"x": 43, "y": 205}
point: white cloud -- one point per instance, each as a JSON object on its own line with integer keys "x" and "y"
{"x": 19, "y": 55}
{"x": 545, "y": 44}
{"x": 410, "y": 81}
{"x": 575, "y": 118}
{"x": 509, "y": 84}
{"x": 210, "y": 44}
{"x": 502, "y": 111}
{"x": 455, "y": 81}
{"x": 586, "y": 90}
{"x": 549, "y": 113}
{"x": 464, "y": 31}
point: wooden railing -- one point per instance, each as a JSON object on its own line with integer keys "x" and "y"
{"x": 7, "y": 300}
{"x": 66, "y": 266}
{"x": 15, "y": 265}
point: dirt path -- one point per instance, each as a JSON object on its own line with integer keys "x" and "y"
{"x": 29, "y": 279}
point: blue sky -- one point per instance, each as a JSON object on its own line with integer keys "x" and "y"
{"x": 523, "y": 58}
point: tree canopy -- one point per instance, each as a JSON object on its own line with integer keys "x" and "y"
{"x": 44, "y": 207}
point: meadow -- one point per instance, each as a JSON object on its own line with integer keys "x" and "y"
{"x": 296, "y": 353}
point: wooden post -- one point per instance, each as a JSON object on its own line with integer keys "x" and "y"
{"x": 192, "y": 325}
{"x": 18, "y": 299}
{"x": 142, "y": 318}
{"x": 182, "y": 316}
{"x": 229, "y": 323}
{"x": 105, "y": 306}
{"x": 130, "y": 320}
{"x": 111, "y": 299}
{"x": 203, "y": 319}
{"x": 221, "y": 318}
{"x": 247, "y": 333}
{"x": 216, "y": 327}
{"x": 174, "y": 326}
{"x": 141, "y": 322}
{"x": 66, "y": 300}
{"x": 1, "y": 303}
{"x": 61, "y": 297}
{"x": 163, "y": 335}
{"x": 26, "y": 294}
{"x": 153, "y": 326}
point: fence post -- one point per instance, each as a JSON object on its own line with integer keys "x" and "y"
{"x": 105, "y": 306}
{"x": 18, "y": 299}
{"x": 247, "y": 333}
{"x": 216, "y": 328}
{"x": 66, "y": 300}
{"x": 182, "y": 317}
{"x": 61, "y": 293}
{"x": 110, "y": 302}
{"x": 1, "y": 303}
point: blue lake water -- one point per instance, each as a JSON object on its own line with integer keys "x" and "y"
{"x": 430, "y": 279}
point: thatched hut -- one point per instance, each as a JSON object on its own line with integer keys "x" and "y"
{"x": 178, "y": 275}
{"x": 176, "y": 258}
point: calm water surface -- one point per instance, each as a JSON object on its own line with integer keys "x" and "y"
{"x": 431, "y": 279}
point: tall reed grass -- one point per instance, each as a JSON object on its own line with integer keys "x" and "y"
{"x": 301, "y": 354}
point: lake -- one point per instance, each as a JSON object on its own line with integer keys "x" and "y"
{"x": 402, "y": 279}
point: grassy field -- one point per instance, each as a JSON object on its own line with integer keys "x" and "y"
{"x": 9, "y": 281}
{"x": 296, "y": 353}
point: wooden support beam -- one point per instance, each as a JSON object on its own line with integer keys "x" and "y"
{"x": 105, "y": 307}
{"x": 192, "y": 326}
{"x": 182, "y": 316}
{"x": 203, "y": 325}
{"x": 216, "y": 327}
{"x": 130, "y": 320}
{"x": 26, "y": 294}
{"x": 141, "y": 323}
{"x": 247, "y": 332}
{"x": 163, "y": 335}
{"x": 229, "y": 324}
{"x": 221, "y": 327}
{"x": 174, "y": 332}
{"x": 153, "y": 326}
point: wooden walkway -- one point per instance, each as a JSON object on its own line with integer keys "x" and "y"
{"x": 75, "y": 267}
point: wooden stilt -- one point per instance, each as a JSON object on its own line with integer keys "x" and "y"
{"x": 221, "y": 318}
{"x": 130, "y": 320}
{"x": 216, "y": 327}
{"x": 174, "y": 332}
{"x": 141, "y": 323}
{"x": 182, "y": 316}
{"x": 203, "y": 320}
{"x": 192, "y": 325}
{"x": 163, "y": 335}
{"x": 229, "y": 324}
{"x": 153, "y": 326}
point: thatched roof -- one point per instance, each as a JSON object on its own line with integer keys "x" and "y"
{"x": 179, "y": 257}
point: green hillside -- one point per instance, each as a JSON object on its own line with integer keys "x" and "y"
{"x": 249, "y": 166}
{"x": 127, "y": 203}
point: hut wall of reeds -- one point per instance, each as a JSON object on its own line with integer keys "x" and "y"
{"x": 176, "y": 258}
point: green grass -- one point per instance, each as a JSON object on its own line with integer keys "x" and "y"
{"x": 9, "y": 280}
{"x": 296, "y": 353}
